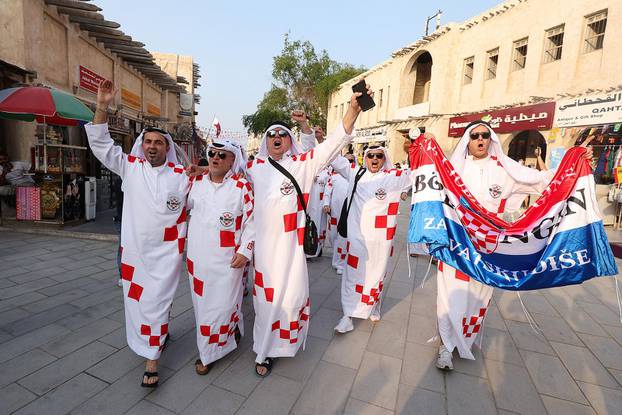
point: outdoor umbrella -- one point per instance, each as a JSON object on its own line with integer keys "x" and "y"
{"x": 46, "y": 105}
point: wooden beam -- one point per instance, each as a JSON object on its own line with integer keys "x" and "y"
{"x": 101, "y": 36}
{"x": 133, "y": 49}
{"x": 74, "y": 4}
{"x": 101, "y": 29}
{"x": 120, "y": 42}
{"x": 77, "y": 12}
{"x": 122, "y": 52}
{"x": 86, "y": 20}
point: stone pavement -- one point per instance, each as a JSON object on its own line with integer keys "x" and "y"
{"x": 63, "y": 349}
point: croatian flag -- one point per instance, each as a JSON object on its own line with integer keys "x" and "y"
{"x": 560, "y": 240}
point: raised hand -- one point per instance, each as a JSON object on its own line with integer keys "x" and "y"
{"x": 105, "y": 94}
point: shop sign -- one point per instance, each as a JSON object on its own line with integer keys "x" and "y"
{"x": 130, "y": 99}
{"x": 186, "y": 101}
{"x": 591, "y": 110}
{"x": 90, "y": 80}
{"x": 153, "y": 110}
{"x": 185, "y": 113}
{"x": 529, "y": 117}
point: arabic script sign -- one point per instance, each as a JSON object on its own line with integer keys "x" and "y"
{"x": 530, "y": 117}
{"x": 89, "y": 80}
{"x": 595, "y": 109}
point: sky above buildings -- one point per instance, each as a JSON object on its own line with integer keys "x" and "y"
{"x": 234, "y": 41}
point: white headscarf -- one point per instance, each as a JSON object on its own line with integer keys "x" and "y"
{"x": 296, "y": 148}
{"x": 518, "y": 172}
{"x": 171, "y": 156}
{"x": 227, "y": 145}
{"x": 387, "y": 161}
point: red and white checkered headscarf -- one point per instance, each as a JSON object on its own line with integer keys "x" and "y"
{"x": 388, "y": 165}
{"x": 296, "y": 148}
{"x": 518, "y": 172}
{"x": 228, "y": 145}
{"x": 171, "y": 155}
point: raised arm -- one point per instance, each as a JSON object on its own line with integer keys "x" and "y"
{"x": 100, "y": 141}
{"x": 324, "y": 153}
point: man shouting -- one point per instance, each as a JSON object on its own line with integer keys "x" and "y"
{"x": 153, "y": 229}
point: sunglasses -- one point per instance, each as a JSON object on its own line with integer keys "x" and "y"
{"x": 154, "y": 130}
{"x": 281, "y": 133}
{"x": 475, "y": 136}
{"x": 221, "y": 154}
{"x": 378, "y": 156}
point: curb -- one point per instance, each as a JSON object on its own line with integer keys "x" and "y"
{"x": 62, "y": 233}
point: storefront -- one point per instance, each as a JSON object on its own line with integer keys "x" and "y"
{"x": 520, "y": 129}
{"x": 599, "y": 119}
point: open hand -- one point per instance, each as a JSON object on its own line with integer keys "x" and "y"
{"x": 238, "y": 261}
{"x": 106, "y": 93}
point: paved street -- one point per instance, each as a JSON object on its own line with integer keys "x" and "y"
{"x": 63, "y": 349}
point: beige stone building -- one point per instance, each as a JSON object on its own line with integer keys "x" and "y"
{"x": 518, "y": 53}
{"x": 69, "y": 45}
{"x": 546, "y": 72}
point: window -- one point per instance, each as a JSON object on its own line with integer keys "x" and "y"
{"x": 595, "y": 31}
{"x": 341, "y": 111}
{"x": 336, "y": 110}
{"x": 380, "y": 98}
{"x": 468, "y": 70}
{"x": 492, "y": 61}
{"x": 520, "y": 54}
{"x": 553, "y": 44}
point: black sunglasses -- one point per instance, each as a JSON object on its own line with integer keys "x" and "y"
{"x": 485, "y": 136}
{"x": 154, "y": 130}
{"x": 221, "y": 154}
{"x": 281, "y": 133}
{"x": 378, "y": 156}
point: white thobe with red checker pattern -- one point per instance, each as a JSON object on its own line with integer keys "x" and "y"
{"x": 153, "y": 236}
{"x": 316, "y": 203}
{"x": 336, "y": 193}
{"x": 462, "y": 303}
{"x": 372, "y": 223}
{"x": 281, "y": 288}
{"x": 220, "y": 225}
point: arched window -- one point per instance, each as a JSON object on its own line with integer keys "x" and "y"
{"x": 422, "y": 69}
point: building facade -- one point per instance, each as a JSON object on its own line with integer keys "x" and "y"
{"x": 70, "y": 46}
{"x": 515, "y": 64}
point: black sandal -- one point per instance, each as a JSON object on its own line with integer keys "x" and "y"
{"x": 150, "y": 375}
{"x": 202, "y": 372}
{"x": 267, "y": 364}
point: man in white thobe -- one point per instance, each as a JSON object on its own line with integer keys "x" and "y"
{"x": 153, "y": 233}
{"x": 281, "y": 288}
{"x": 220, "y": 245}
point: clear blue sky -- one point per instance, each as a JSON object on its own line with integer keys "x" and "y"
{"x": 234, "y": 41}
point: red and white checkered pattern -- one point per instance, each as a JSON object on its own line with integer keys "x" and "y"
{"x": 485, "y": 238}
{"x": 154, "y": 337}
{"x": 268, "y": 291}
{"x": 296, "y": 221}
{"x": 197, "y": 284}
{"x": 220, "y": 335}
{"x": 179, "y": 169}
{"x": 127, "y": 274}
{"x": 177, "y": 232}
{"x": 372, "y": 297}
{"x": 290, "y": 331}
{"x": 472, "y": 325}
{"x": 459, "y": 275}
{"x": 341, "y": 252}
{"x": 389, "y": 221}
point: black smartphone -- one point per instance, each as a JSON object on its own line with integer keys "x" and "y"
{"x": 365, "y": 101}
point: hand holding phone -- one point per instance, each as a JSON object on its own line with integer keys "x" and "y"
{"x": 366, "y": 102}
